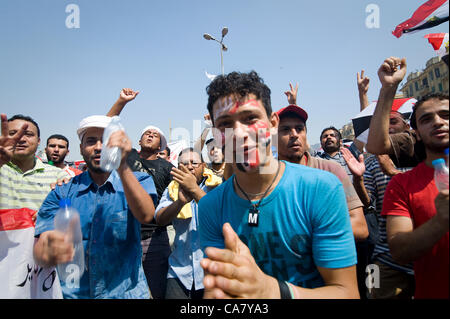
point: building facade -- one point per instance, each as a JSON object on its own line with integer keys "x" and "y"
{"x": 433, "y": 79}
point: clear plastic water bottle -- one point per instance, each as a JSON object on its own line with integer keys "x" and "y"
{"x": 110, "y": 157}
{"x": 67, "y": 221}
{"x": 440, "y": 174}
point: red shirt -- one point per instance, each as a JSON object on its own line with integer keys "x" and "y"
{"x": 412, "y": 194}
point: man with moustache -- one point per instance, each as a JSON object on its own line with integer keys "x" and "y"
{"x": 331, "y": 142}
{"x": 179, "y": 204}
{"x": 293, "y": 147}
{"x": 24, "y": 183}
{"x": 111, "y": 207}
{"x": 417, "y": 213}
{"x": 274, "y": 229}
{"x": 155, "y": 239}
{"x": 56, "y": 150}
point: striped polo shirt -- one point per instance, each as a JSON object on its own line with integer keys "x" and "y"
{"x": 376, "y": 182}
{"x": 25, "y": 191}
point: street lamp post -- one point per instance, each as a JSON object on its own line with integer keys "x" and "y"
{"x": 223, "y": 47}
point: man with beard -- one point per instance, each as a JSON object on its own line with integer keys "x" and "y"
{"x": 56, "y": 150}
{"x": 24, "y": 184}
{"x": 111, "y": 207}
{"x": 274, "y": 229}
{"x": 155, "y": 239}
{"x": 331, "y": 142}
{"x": 417, "y": 213}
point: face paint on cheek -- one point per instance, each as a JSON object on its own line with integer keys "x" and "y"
{"x": 263, "y": 135}
{"x": 260, "y": 134}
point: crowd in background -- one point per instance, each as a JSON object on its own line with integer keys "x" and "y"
{"x": 358, "y": 221}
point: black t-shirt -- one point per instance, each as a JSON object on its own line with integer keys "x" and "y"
{"x": 159, "y": 169}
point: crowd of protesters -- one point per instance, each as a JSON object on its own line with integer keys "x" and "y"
{"x": 364, "y": 221}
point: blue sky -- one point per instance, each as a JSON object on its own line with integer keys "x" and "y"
{"x": 59, "y": 76}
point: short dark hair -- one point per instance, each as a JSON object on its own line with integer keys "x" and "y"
{"x": 59, "y": 137}
{"x": 168, "y": 151}
{"x": 190, "y": 150}
{"x": 27, "y": 119}
{"x": 240, "y": 84}
{"x": 429, "y": 96}
{"x": 209, "y": 141}
{"x": 338, "y": 133}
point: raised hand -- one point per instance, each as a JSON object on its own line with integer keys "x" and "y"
{"x": 363, "y": 82}
{"x": 392, "y": 71}
{"x": 357, "y": 167}
{"x": 127, "y": 95}
{"x": 292, "y": 94}
{"x": 233, "y": 273}
{"x": 8, "y": 143}
{"x": 122, "y": 141}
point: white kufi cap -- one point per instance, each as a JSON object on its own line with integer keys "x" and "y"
{"x": 100, "y": 121}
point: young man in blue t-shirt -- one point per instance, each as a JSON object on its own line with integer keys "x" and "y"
{"x": 274, "y": 229}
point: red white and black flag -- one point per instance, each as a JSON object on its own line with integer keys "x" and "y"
{"x": 440, "y": 43}
{"x": 428, "y": 15}
{"x": 361, "y": 122}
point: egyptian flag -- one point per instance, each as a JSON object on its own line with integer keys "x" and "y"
{"x": 20, "y": 276}
{"x": 361, "y": 122}
{"x": 439, "y": 41}
{"x": 428, "y": 15}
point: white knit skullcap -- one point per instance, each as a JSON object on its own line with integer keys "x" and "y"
{"x": 163, "y": 143}
{"x": 100, "y": 121}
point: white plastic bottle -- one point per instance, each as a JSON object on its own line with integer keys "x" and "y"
{"x": 111, "y": 156}
{"x": 440, "y": 174}
{"x": 67, "y": 221}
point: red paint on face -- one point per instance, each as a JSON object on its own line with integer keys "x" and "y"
{"x": 261, "y": 129}
{"x": 238, "y": 104}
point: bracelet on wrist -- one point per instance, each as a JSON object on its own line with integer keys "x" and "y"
{"x": 285, "y": 290}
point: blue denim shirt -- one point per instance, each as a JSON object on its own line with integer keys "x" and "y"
{"x": 184, "y": 261}
{"x": 111, "y": 236}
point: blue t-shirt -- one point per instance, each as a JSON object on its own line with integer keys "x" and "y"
{"x": 303, "y": 223}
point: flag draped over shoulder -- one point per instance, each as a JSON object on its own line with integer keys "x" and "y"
{"x": 428, "y": 15}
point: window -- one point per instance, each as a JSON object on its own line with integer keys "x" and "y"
{"x": 417, "y": 85}
{"x": 433, "y": 89}
{"x": 431, "y": 76}
{"x": 411, "y": 89}
{"x": 425, "y": 82}
{"x": 437, "y": 72}
{"x": 440, "y": 87}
